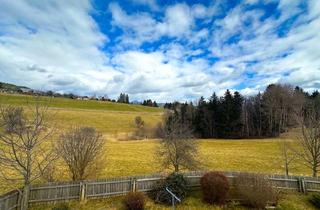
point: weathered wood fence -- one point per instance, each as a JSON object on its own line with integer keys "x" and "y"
{"x": 65, "y": 191}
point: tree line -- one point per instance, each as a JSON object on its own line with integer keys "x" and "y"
{"x": 150, "y": 103}
{"x": 266, "y": 114}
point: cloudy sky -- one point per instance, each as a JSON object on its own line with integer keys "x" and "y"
{"x": 159, "y": 49}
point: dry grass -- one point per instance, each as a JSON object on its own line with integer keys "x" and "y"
{"x": 128, "y": 158}
{"x": 193, "y": 202}
{"x": 125, "y": 158}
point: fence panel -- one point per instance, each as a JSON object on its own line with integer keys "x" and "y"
{"x": 286, "y": 183}
{"x": 108, "y": 187}
{"x": 10, "y": 200}
{"x": 54, "y": 192}
{"x": 118, "y": 186}
{"x": 312, "y": 185}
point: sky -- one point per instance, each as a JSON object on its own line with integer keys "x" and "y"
{"x": 159, "y": 49}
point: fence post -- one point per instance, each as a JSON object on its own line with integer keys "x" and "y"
{"x": 82, "y": 191}
{"x": 134, "y": 185}
{"x": 302, "y": 186}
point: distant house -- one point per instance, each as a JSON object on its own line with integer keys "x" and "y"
{"x": 85, "y": 98}
{"x": 26, "y": 90}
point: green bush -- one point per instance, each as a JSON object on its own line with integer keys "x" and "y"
{"x": 134, "y": 201}
{"x": 215, "y": 187}
{"x": 175, "y": 182}
{"x": 61, "y": 206}
{"x": 315, "y": 200}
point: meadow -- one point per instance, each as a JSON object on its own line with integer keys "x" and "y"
{"x": 127, "y": 158}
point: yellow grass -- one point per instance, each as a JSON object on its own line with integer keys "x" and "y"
{"x": 126, "y": 158}
{"x": 192, "y": 202}
{"x": 107, "y": 122}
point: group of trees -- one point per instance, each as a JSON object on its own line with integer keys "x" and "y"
{"x": 123, "y": 98}
{"x": 149, "y": 103}
{"x": 266, "y": 114}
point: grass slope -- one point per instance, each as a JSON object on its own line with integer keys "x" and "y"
{"x": 106, "y": 117}
{"x": 65, "y": 103}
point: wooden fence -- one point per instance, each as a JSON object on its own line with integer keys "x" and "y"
{"x": 65, "y": 191}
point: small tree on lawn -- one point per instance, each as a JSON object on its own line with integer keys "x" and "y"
{"x": 25, "y": 145}
{"x": 80, "y": 147}
{"x": 140, "y": 127}
{"x": 177, "y": 149}
{"x": 287, "y": 153}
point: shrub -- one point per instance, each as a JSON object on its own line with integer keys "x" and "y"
{"x": 256, "y": 190}
{"x": 134, "y": 201}
{"x": 215, "y": 187}
{"x": 175, "y": 182}
{"x": 315, "y": 200}
{"x": 61, "y": 206}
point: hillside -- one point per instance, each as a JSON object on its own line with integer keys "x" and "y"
{"x": 106, "y": 117}
{"x": 75, "y": 104}
{"x": 11, "y": 87}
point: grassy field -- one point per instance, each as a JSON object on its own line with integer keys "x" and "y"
{"x": 106, "y": 117}
{"x": 75, "y": 104}
{"x": 126, "y": 158}
{"x": 129, "y": 158}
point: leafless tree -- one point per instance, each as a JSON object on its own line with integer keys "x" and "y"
{"x": 177, "y": 149}
{"x": 139, "y": 127}
{"x": 80, "y": 147}
{"x": 309, "y": 140}
{"x": 25, "y": 145}
{"x": 287, "y": 153}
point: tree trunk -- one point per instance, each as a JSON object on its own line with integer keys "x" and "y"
{"x": 25, "y": 197}
{"x": 314, "y": 171}
{"x": 176, "y": 168}
{"x": 287, "y": 169}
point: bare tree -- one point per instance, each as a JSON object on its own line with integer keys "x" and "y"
{"x": 139, "y": 127}
{"x": 287, "y": 153}
{"x": 80, "y": 147}
{"x": 310, "y": 139}
{"x": 25, "y": 145}
{"x": 177, "y": 149}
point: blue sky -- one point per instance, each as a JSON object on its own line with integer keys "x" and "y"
{"x": 164, "y": 50}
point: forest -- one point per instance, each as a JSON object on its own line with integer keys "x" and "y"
{"x": 266, "y": 114}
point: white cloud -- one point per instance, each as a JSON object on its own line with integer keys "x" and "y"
{"x": 58, "y": 37}
{"x": 141, "y": 27}
{"x": 58, "y": 45}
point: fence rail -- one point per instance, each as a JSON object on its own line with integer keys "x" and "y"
{"x": 65, "y": 191}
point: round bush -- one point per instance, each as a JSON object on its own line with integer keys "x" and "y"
{"x": 215, "y": 187}
{"x": 134, "y": 201}
{"x": 175, "y": 182}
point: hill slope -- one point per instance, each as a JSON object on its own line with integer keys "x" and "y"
{"x": 11, "y": 87}
{"x": 75, "y": 104}
{"x": 106, "y": 117}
